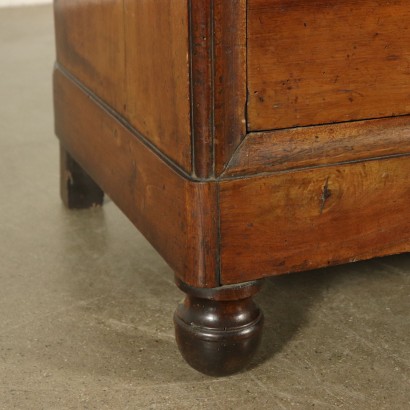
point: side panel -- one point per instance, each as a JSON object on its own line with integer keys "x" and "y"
{"x": 90, "y": 44}
{"x": 301, "y": 220}
{"x": 178, "y": 216}
{"x": 157, "y": 74}
{"x": 134, "y": 56}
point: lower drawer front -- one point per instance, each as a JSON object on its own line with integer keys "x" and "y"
{"x": 316, "y": 62}
{"x": 306, "y": 219}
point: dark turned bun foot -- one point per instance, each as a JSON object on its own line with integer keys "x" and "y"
{"x": 219, "y": 336}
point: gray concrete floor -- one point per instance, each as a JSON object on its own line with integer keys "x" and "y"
{"x": 86, "y": 304}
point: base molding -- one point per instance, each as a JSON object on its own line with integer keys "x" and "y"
{"x": 178, "y": 216}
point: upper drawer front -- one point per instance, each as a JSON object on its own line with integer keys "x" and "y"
{"x": 323, "y": 61}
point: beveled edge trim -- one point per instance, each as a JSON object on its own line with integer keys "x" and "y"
{"x": 321, "y": 145}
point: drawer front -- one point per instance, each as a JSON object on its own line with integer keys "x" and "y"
{"x": 324, "y": 61}
{"x": 301, "y": 220}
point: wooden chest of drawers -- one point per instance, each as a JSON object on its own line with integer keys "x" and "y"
{"x": 243, "y": 138}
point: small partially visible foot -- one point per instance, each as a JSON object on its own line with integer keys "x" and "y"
{"x": 77, "y": 189}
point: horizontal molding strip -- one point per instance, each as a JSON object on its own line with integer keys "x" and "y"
{"x": 306, "y": 147}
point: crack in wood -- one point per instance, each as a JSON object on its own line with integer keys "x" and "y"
{"x": 326, "y": 194}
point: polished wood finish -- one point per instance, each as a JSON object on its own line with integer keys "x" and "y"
{"x": 324, "y": 61}
{"x": 218, "y": 60}
{"x": 143, "y": 74}
{"x": 184, "y": 113}
{"x": 306, "y": 219}
{"x": 230, "y": 79}
{"x": 174, "y": 213}
{"x": 157, "y": 75}
{"x": 202, "y": 71}
{"x": 320, "y": 145}
{"x": 219, "y": 330}
{"x": 94, "y": 55}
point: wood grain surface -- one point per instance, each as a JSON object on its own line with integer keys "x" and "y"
{"x": 157, "y": 74}
{"x": 202, "y": 90}
{"x": 218, "y": 64}
{"x": 175, "y": 214}
{"x": 134, "y": 56}
{"x": 230, "y": 79}
{"x": 325, "y": 61}
{"x": 295, "y": 221}
{"x": 155, "y": 113}
{"x": 319, "y": 145}
{"x": 90, "y": 44}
